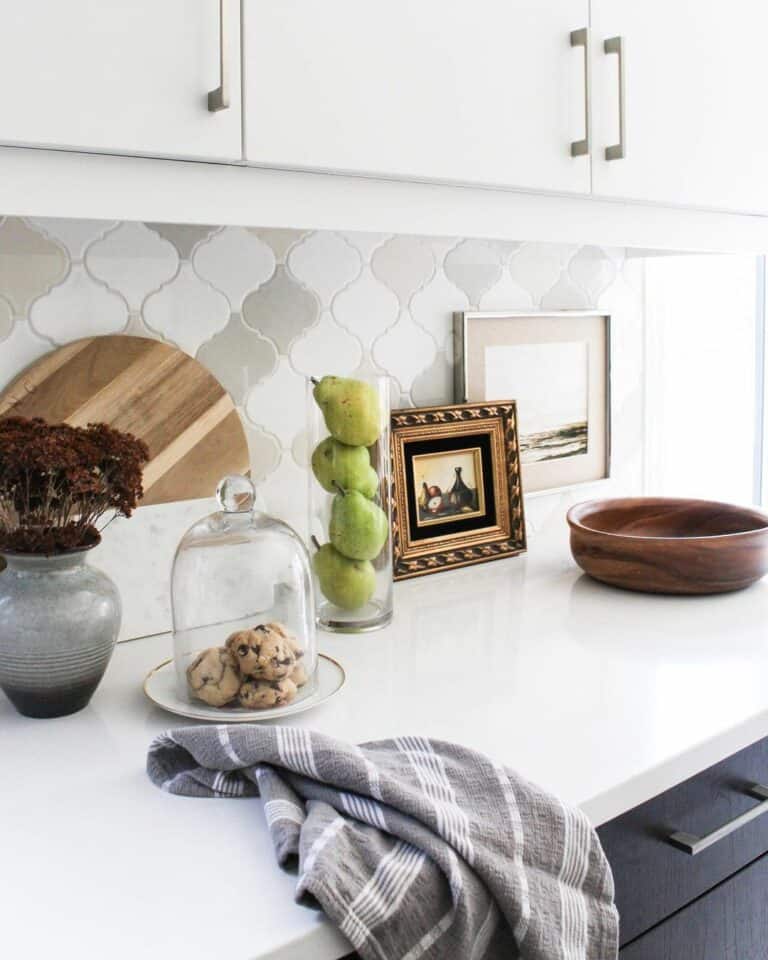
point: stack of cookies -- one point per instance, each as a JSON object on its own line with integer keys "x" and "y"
{"x": 258, "y": 668}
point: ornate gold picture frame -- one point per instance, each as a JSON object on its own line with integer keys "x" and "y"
{"x": 457, "y": 498}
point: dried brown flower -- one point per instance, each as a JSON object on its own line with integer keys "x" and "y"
{"x": 58, "y": 481}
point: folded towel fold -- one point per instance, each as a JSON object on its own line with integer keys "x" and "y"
{"x": 414, "y": 848}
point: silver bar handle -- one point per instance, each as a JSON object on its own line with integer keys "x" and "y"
{"x": 618, "y": 151}
{"x": 692, "y": 844}
{"x": 218, "y": 99}
{"x": 581, "y": 148}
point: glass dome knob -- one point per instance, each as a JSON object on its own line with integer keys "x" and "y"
{"x": 236, "y": 494}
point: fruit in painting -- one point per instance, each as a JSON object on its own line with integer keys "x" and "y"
{"x": 349, "y": 584}
{"x": 350, "y": 408}
{"x": 339, "y": 466}
{"x": 359, "y": 527}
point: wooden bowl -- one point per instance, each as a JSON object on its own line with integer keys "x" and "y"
{"x": 667, "y": 545}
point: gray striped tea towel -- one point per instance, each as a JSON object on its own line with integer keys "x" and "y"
{"x": 415, "y": 848}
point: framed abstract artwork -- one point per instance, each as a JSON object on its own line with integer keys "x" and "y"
{"x": 557, "y": 367}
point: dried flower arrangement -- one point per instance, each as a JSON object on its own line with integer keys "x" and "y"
{"x": 58, "y": 481}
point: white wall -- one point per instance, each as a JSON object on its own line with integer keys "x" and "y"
{"x": 701, "y": 314}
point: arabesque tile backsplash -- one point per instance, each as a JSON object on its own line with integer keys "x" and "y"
{"x": 265, "y": 308}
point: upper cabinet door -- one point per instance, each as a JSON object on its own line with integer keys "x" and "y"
{"x": 120, "y": 76}
{"x": 487, "y": 92}
{"x": 694, "y": 81}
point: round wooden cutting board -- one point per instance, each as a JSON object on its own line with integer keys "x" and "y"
{"x": 149, "y": 389}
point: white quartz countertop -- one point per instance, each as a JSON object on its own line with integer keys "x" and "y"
{"x": 604, "y": 697}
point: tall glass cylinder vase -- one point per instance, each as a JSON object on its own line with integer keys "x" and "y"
{"x": 349, "y": 501}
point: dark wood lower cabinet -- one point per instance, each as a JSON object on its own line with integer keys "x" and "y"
{"x": 653, "y": 878}
{"x": 728, "y": 923}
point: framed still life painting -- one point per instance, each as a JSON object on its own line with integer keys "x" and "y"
{"x": 457, "y": 497}
{"x": 557, "y": 367}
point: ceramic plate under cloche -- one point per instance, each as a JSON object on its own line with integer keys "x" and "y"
{"x": 160, "y": 687}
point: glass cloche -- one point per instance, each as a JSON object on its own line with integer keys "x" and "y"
{"x": 243, "y": 608}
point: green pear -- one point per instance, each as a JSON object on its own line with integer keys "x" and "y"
{"x": 349, "y": 584}
{"x": 339, "y": 465}
{"x": 359, "y": 527}
{"x": 351, "y": 410}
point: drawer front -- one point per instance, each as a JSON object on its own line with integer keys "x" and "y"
{"x": 654, "y": 878}
{"x": 729, "y": 923}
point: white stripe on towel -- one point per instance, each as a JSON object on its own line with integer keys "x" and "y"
{"x": 278, "y": 809}
{"x": 383, "y": 893}
{"x": 518, "y": 838}
{"x": 364, "y": 809}
{"x": 226, "y": 744}
{"x": 431, "y": 936}
{"x": 452, "y": 821}
{"x": 295, "y": 748}
{"x": 576, "y": 846}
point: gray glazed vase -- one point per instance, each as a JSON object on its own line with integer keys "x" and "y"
{"x": 59, "y": 620}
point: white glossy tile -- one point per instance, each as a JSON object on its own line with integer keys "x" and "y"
{"x": 74, "y": 235}
{"x": 133, "y": 260}
{"x": 78, "y": 307}
{"x": 30, "y": 264}
{"x": 300, "y": 450}
{"x": 239, "y": 357}
{"x": 235, "y": 261}
{"x": 264, "y": 451}
{"x": 286, "y": 496}
{"x": 366, "y": 243}
{"x": 366, "y": 308}
{"x": 434, "y": 305}
{"x": 282, "y": 309}
{"x": 593, "y": 271}
{"x": 405, "y": 350}
{"x": 474, "y": 266}
{"x": 19, "y": 350}
{"x": 187, "y": 311}
{"x": 184, "y": 236}
{"x": 565, "y": 295}
{"x": 441, "y": 246}
{"x": 434, "y": 385}
{"x": 405, "y": 265}
{"x": 506, "y": 294}
{"x": 325, "y": 262}
{"x": 325, "y": 349}
{"x": 278, "y": 239}
{"x": 278, "y": 405}
{"x": 537, "y": 268}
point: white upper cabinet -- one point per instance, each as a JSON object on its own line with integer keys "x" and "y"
{"x": 695, "y": 76}
{"x": 120, "y": 76}
{"x": 487, "y": 92}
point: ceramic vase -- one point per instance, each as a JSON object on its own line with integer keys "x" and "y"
{"x": 59, "y": 619}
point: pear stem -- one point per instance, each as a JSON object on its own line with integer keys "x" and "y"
{"x": 341, "y": 489}
{"x": 314, "y": 380}
{"x": 315, "y": 544}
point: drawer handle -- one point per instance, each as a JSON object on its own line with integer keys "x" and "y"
{"x": 580, "y": 148}
{"x": 692, "y": 844}
{"x": 218, "y": 99}
{"x": 618, "y": 151}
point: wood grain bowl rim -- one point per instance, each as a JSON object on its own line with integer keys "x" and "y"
{"x": 580, "y": 512}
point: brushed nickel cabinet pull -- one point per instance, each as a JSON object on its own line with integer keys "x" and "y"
{"x": 692, "y": 844}
{"x": 618, "y": 151}
{"x": 218, "y": 99}
{"x": 581, "y": 148}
